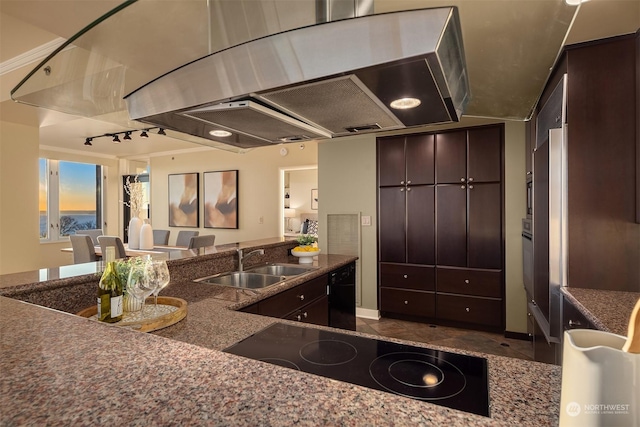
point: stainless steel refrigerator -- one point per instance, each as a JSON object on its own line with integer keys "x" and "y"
{"x": 550, "y": 224}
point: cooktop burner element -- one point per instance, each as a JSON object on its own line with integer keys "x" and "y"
{"x": 454, "y": 380}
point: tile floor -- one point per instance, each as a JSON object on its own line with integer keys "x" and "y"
{"x": 485, "y": 342}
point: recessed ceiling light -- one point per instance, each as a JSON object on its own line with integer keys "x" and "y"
{"x": 405, "y": 103}
{"x": 219, "y": 133}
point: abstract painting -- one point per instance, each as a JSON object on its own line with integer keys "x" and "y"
{"x": 221, "y": 199}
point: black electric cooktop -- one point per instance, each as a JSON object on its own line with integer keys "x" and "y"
{"x": 454, "y": 380}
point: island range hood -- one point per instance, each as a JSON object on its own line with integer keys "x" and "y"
{"x": 321, "y": 81}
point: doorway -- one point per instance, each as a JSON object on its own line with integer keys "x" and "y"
{"x": 300, "y": 197}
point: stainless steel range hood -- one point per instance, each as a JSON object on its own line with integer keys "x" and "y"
{"x": 321, "y": 81}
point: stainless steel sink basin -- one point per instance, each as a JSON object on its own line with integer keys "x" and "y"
{"x": 281, "y": 269}
{"x": 245, "y": 280}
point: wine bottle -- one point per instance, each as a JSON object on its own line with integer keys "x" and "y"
{"x": 110, "y": 291}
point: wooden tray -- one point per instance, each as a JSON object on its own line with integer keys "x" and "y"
{"x": 172, "y": 310}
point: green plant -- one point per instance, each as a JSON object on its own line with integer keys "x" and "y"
{"x": 307, "y": 239}
{"x": 123, "y": 267}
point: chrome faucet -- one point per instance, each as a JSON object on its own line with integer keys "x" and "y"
{"x": 242, "y": 257}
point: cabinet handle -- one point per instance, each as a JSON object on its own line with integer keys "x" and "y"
{"x": 409, "y": 182}
{"x": 409, "y": 189}
{"x": 470, "y": 179}
{"x": 470, "y": 187}
{"x": 305, "y": 315}
{"x": 462, "y": 186}
{"x": 406, "y": 302}
{"x": 401, "y": 182}
{"x": 462, "y": 179}
{"x": 466, "y": 281}
{"x": 405, "y": 276}
{"x": 402, "y": 190}
{"x": 574, "y": 323}
{"x": 467, "y": 309}
{"x": 301, "y": 297}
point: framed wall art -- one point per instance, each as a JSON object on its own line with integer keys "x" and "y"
{"x": 221, "y": 199}
{"x": 184, "y": 208}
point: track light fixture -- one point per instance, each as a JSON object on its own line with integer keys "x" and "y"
{"x": 115, "y": 137}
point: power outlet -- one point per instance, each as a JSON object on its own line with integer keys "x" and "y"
{"x": 365, "y": 220}
{"x": 261, "y": 220}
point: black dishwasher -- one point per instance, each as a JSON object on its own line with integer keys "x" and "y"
{"x": 342, "y": 297}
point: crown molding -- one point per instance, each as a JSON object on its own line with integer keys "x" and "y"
{"x": 31, "y": 56}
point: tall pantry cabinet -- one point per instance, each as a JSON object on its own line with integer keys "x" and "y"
{"x": 440, "y": 236}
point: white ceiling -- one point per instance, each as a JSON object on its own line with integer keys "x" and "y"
{"x": 28, "y": 24}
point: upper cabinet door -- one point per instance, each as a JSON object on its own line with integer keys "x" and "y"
{"x": 485, "y": 155}
{"x": 419, "y": 152}
{"x": 451, "y": 157}
{"x": 391, "y": 164}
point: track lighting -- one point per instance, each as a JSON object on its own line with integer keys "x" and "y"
{"x": 115, "y": 137}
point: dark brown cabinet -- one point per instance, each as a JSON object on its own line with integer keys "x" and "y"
{"x": 307, "y": 303}
{"x": 603, "y": 130}
{"x": 406, "y": 199}
{"x": 469, "y": 200}
{"x": 572, "y": 318}
{"x": 452, "y": 220}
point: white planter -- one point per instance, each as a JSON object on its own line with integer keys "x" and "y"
{"x": 146, "y": 236}
{"x": 135, "y": 224}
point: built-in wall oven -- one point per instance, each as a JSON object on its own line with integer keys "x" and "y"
{"x": 529, "y": 196}
{"x": 527, "y": 256}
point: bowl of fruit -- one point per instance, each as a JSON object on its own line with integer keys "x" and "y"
{"x": 306, "y": 249}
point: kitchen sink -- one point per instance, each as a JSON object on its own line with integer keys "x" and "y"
{"x": 245, "y": 280}
{"x": 257, "y": 277}
{"x": 281, "y": 269}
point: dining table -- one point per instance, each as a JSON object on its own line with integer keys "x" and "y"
{"x": 157, "y": 249}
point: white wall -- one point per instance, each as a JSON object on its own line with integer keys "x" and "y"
{"x": 260, "y": 193}
{"x": 347, "y": 180}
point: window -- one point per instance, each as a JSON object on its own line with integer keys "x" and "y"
{"x": 70, "y": 198}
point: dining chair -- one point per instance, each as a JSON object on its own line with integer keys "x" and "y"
{"x": 93, "y": 232}
{"x": 83, "y": 250}
{"x": 114, "y": 241}
{"x": 201, "y": 241}
{"x": 161, "y": 237}
{"x": 185, "y": 236}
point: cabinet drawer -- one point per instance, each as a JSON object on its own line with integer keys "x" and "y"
{"x": 294, "y": 298}
{"x": 317, "y": 312}
{"x": 572, "y": 318}
{"x": 415, "y": 303}
{"x": 478, "y": 311}
{"x": 482, "y": 283}
{"x": 406, "y": 276}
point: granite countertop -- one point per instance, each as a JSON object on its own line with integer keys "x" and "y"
{"x": 609, "y": 311}
{"x": 58, "y": 368}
